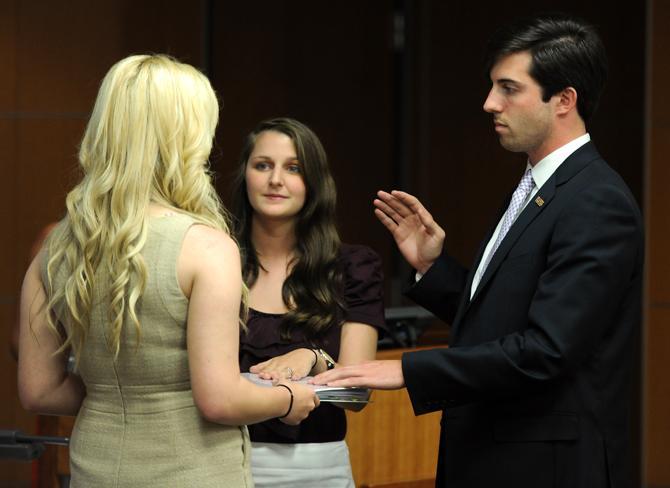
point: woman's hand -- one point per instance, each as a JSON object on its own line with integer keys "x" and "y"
{"x": 293, "y": 365}
{"x": 302, "y": 401}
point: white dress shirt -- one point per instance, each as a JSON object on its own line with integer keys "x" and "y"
{"x": 541, "y": 172}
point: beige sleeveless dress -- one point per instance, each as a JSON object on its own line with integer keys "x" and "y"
{"x": 138, "y": 425}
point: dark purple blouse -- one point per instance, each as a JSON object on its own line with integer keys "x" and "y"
{"x": 363, "y": 284}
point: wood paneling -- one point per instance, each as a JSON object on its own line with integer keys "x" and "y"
{"x": 659, "y": 42}
{"x": 657, "y": 425}
{"x": 173, "y": 27}
{"x": 45, "y": 171}
{"x": 658, "y": 216}
{"x": 8, "y": 219}
{"x": 657, "y": 331}
{"x": 11, "y": 416}
{"x": 63, "y": 50}
{"x": 658, "y": 171}
{"x": 7, "y": 57}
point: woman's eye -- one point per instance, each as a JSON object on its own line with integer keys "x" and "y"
{"x": 261, "y": 166}
{"x": 293, "y": 168}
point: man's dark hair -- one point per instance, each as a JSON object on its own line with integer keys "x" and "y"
{"x": 565, "y": 51}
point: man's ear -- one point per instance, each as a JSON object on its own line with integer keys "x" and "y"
{"x": 566, "y": 100}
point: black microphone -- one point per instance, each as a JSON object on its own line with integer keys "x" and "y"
{"x": 14, "y": 444}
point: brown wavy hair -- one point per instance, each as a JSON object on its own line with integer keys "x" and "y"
{"x": 312, "y": 292}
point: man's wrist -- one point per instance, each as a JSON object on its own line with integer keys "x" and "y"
{"x": 420, "y": 272}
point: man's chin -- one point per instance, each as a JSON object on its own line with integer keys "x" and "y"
{"x": 511, "y": 145}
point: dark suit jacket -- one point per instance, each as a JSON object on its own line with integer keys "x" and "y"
{"x": 536, "y": 385}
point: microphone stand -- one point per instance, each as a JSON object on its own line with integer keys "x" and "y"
{"x": 16, "y": 445}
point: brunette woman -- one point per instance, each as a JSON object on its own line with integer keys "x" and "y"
{"x": 315, "y": 303}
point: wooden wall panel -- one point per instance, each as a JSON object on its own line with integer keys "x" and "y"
{"x": 657, "y": 425}
{"x": 46, "y": 170}
{"x": 10, "y": 415}
{"x": 657, "y": 339}
{"x": 64, "y": 49}
{"x": 7, "y": 216}
{"x": 658, "y": 215}
{"x": 7, "y": 57}
{"x": 172, "y": 27}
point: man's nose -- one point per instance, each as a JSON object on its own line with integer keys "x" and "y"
{"x": 492, "y": 104}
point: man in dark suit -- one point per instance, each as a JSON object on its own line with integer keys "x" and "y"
{"x": 536, "y": 384}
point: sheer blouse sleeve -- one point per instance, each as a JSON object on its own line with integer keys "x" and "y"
{"x": 363, "y": 286}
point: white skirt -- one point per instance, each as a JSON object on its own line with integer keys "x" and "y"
{"x": 322, "y": 464}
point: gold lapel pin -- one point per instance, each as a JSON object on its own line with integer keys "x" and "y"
{"x": 539, "y": 202}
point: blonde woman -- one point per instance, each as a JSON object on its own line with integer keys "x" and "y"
{"x": 142, "y": 282}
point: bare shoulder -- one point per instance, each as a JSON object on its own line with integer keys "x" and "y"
{"x": 34, "y": 270}
{"x": 204, "y": 240}
{"x": 207, "y": 254}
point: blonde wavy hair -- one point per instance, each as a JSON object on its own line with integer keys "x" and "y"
{"x": 148, "y": 140}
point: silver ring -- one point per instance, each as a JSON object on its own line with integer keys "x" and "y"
{"x": 290, "y": 372}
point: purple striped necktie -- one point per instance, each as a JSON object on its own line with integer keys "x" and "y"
{"x": 520, "y": 195}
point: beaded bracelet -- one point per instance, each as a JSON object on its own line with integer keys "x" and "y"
{"x": 290, "y": 405}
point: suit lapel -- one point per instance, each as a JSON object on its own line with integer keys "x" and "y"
{"x": 465, "y": 299}
{"x": 532, "y": 210}
{"x": 570, "y": 167}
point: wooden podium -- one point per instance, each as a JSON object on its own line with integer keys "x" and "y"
{"x": 389, "y": 446}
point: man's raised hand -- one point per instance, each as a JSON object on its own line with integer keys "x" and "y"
{"x": 418, "y": 237}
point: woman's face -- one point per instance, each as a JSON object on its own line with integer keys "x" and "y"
{"x": 275, "y": 184}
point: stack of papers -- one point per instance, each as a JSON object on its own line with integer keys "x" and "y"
{"x": 331, "y": 394}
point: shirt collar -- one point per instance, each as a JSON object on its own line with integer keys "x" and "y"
{"x": 546, "y": 167}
